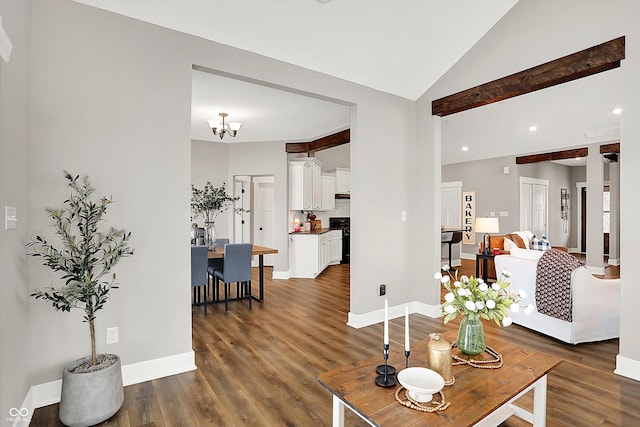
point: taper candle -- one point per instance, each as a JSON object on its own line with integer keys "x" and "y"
{"x": 386, "y": 323}
{"x": 407, "y": 347}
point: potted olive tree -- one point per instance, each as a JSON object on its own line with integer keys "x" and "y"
{"x": 84, "y": 254}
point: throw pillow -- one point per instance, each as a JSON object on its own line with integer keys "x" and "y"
{"x": 526, "y": 237}
{"x": 517, "y": 240}
{"x": 540, "y": 243}
{"x": 508, "y": 244}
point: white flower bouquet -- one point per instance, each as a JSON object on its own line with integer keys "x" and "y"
{"x": 473, "y": 298}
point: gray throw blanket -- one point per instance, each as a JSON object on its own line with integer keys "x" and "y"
{"x": 553, "y": 284}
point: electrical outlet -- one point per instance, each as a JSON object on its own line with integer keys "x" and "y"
{"x": 112, "y": 335}
{"x": 383, "y": 290}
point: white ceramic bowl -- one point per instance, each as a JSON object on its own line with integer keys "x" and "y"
{"x": 422, "y": 383}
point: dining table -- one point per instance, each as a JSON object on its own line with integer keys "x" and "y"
{"x": 260, "y": 251}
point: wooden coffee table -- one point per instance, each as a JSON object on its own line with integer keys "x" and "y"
{"x": 482, "y": 397}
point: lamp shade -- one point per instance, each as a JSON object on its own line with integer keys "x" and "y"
{"x": 487, "y": 225}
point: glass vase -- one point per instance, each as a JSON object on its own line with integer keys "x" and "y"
{"x": 210, "y": 235}
{"x": 471, "y": 336}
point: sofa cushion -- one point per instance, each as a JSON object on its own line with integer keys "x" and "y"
{"x": 526, "y": 254}
{"x": 517, "y": 240}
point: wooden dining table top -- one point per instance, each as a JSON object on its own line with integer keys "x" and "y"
{"x": 257, "y": 250}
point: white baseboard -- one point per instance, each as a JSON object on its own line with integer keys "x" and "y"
{"x": 574, "y": 250}
{"x": 45, "y": 394}
{"x": 613, "y": 261}
{"x": 465, "y": 255}
{"x": 627, "y": 368}
{"x": 281, "y": 275}
{"x": 371, "y": 318}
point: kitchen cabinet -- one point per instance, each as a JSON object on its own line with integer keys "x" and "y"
{"x": 343, "y": 181}
{"x": 328, "y": 190}
{"x": 311, "y": 253}
{"x": 305, "y": 184}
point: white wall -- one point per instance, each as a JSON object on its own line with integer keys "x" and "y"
{"x": 209, "y": 162}
{"x": 112, "y": 104}
{"x": 14, "y": 189}
{"x": 629, "y": 357}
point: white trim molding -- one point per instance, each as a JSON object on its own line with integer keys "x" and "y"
{"x": 627, "y": 368}
{"x": 415, "y": 307}
{"x": 281, "y": 275}
{"x": 45, "y": 394}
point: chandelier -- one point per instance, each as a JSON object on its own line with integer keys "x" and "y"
{"x": 222, "y": 128}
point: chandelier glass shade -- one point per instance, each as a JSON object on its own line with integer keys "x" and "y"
{"x": 222, "y": 127}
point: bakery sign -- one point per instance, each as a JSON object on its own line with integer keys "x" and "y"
{"x": 468, "y": 217}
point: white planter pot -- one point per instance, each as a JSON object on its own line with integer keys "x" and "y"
{"x": 92, "y": 397}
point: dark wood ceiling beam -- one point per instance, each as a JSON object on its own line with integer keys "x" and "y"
{"x": 602, "y": 57}
{"x": 610, "y": 148}
{"x": 297, "y": 147}
{"x": 557, "y": 155}
{"x": 329, "y": 141}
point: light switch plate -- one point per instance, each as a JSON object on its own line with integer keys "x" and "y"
{"x": 10, "y": 218}
{"x": 504, "y": 213}
{"x": 112, "y": 335}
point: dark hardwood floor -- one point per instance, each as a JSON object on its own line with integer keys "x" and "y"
{"x": 258, "y": 367}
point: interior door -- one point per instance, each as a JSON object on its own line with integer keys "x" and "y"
{"x": 539, "y": 205}
{"x": 263, "y": 217}
{"x": 534, "y": 196}
{"x": 242, "y": 217}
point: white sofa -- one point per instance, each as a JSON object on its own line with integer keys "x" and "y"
{"x": 596, "y": 302}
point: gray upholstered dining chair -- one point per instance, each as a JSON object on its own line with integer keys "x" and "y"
{"x": 216, "y": 264}
{"x": 237, "y": 269}
{"x": 199, "y": 273}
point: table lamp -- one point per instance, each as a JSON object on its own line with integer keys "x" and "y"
{"x": 486, "y": 226}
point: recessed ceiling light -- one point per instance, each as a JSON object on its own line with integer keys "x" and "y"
{"x": 617, "y": 110}
{"x": 465, "y": 148}
{"x": 533, "y": 128}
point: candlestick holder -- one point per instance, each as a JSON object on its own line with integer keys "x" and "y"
{"x": 406, "y": 358}
{"x": 386, "y": 372}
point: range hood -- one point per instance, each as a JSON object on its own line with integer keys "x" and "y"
{"x": 343, "y": 195}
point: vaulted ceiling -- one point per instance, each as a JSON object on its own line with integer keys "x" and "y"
{"x": 364, "y": 42}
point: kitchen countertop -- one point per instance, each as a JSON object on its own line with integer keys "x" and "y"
{"x": 316, "y": 231}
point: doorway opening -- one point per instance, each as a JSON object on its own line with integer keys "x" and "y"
{"x": 253, "y": 221}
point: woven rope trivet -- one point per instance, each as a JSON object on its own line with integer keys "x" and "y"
{"x": 482, "y": 364}
{"x": 431, "y": 406}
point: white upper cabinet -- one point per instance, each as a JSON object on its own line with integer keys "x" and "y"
{"x": 328, "y": 201}
{"x": 305, "y": 184}
{"x": 343, "y": 181}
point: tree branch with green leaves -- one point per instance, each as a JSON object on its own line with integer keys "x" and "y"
{"x": 85, "y": 255}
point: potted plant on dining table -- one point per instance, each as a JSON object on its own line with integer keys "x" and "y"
{"x": 209, "y": 202}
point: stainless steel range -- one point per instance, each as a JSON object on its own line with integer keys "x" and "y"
{"x": 343, "y": 223}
